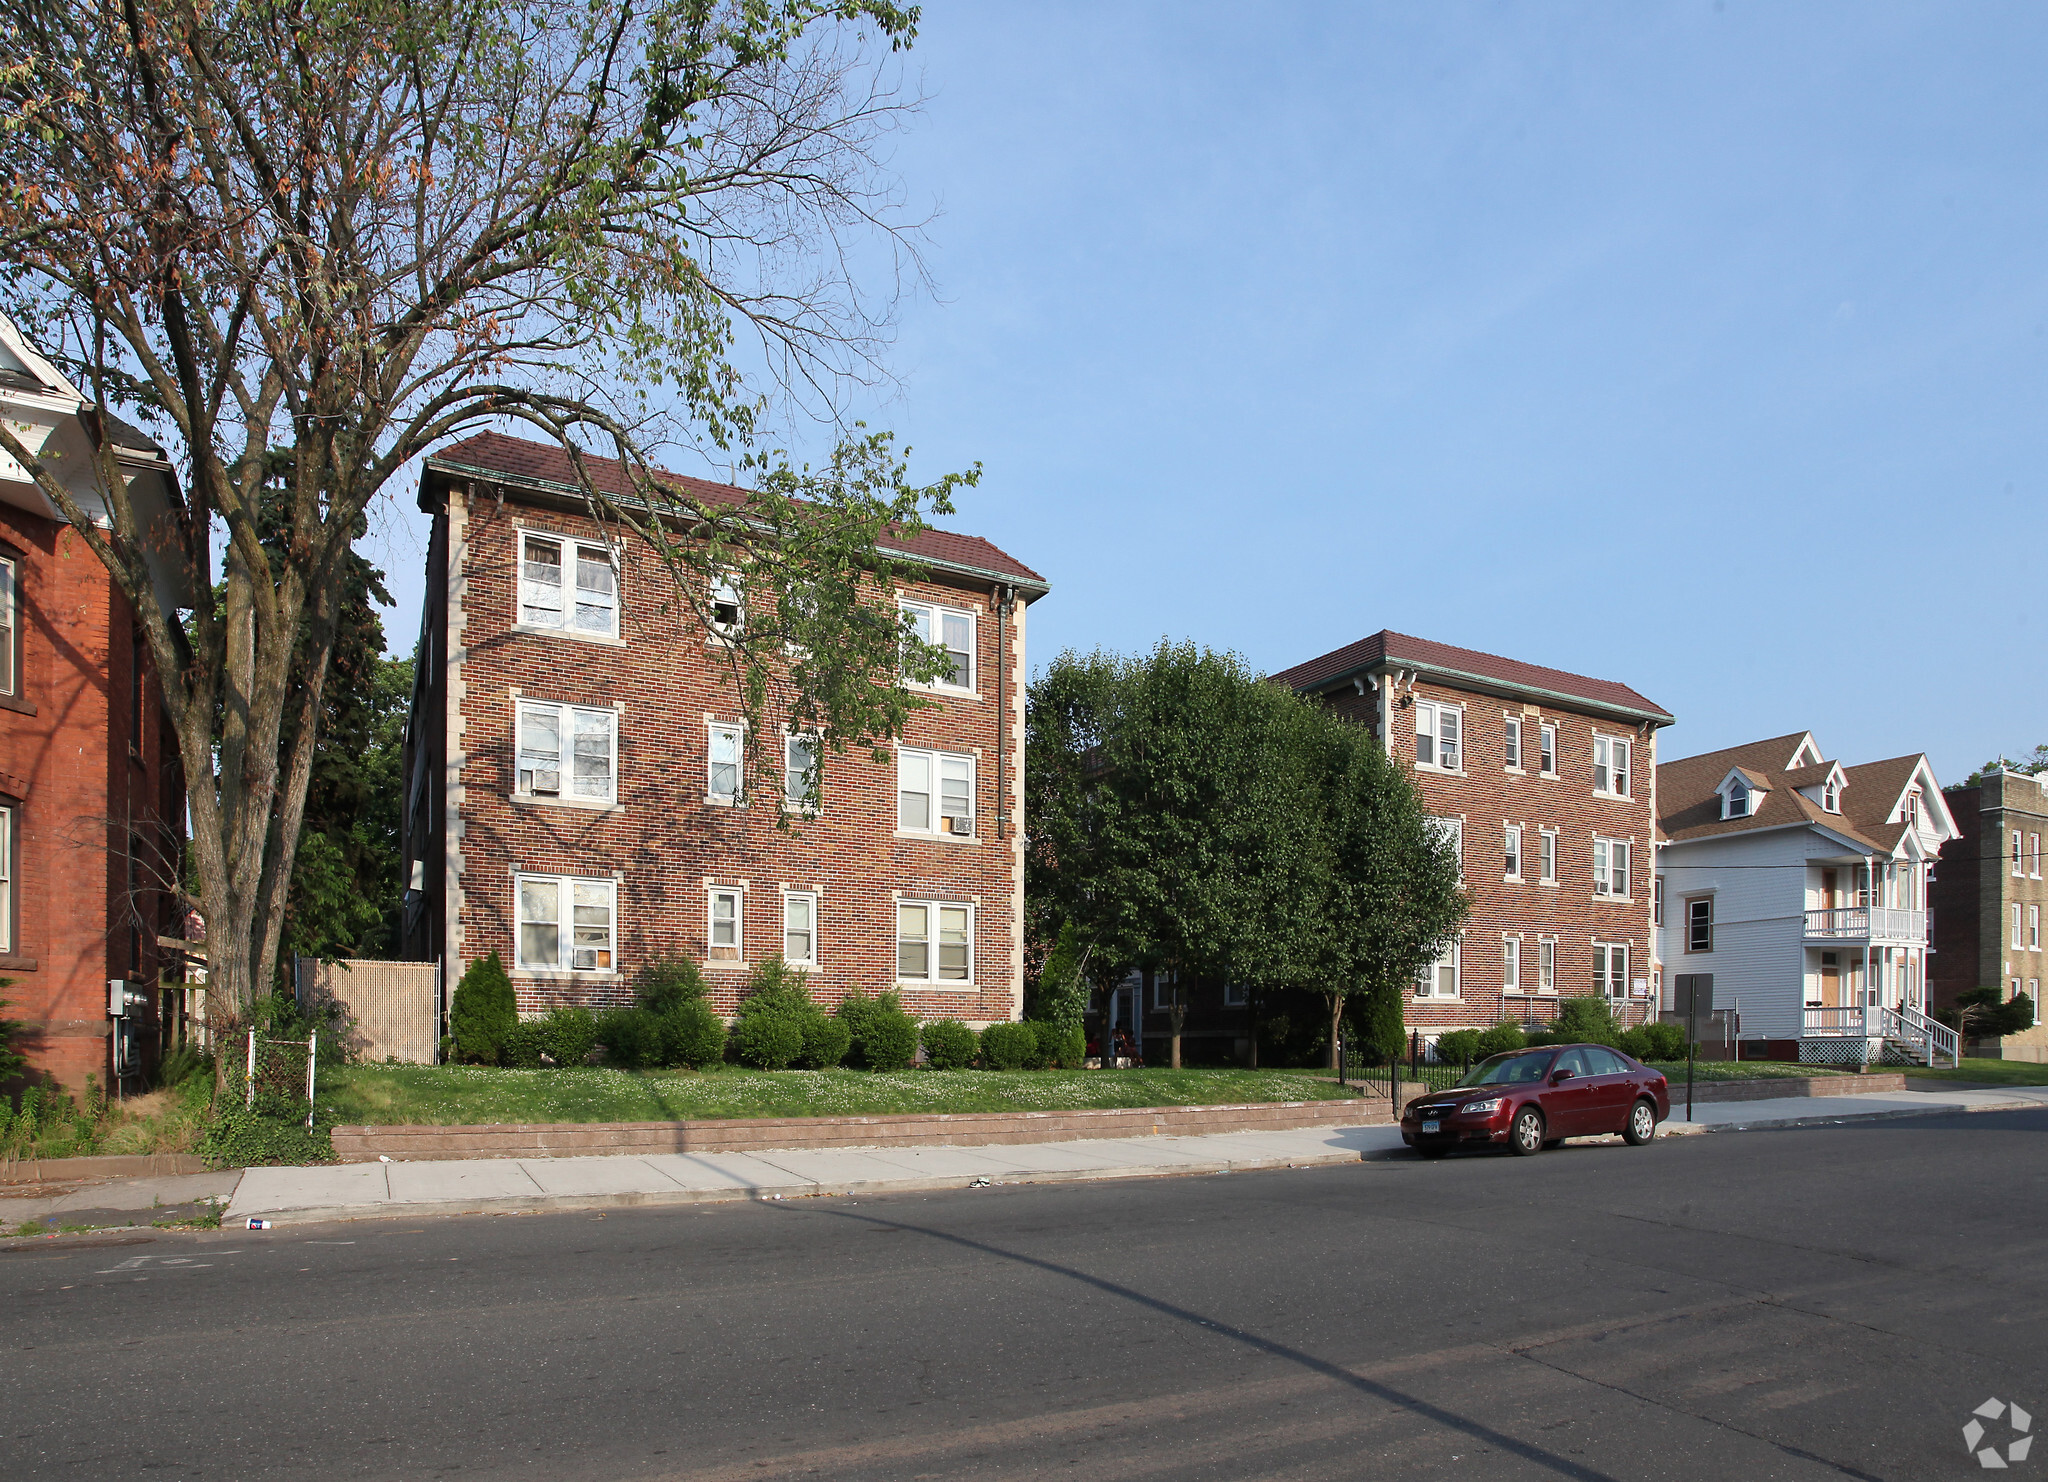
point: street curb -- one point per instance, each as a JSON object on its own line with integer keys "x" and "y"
{"x": 1826, "y": 1120}
{"x": 541, "y": 1203}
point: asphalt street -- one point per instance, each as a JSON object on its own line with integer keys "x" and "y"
{"x": 1815, "y": 1303}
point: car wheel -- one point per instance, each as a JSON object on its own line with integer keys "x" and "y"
{"x": 1430, "y": 1152}
{"x": 1527, "y": 1137}
{"x": 1642, "y": 1124}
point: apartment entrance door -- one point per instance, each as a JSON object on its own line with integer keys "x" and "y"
{"x": 1831, "y": 981}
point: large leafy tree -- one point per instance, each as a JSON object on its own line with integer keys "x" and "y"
{"x": 324, "y": 238}
{"x": 1188, "y": 816}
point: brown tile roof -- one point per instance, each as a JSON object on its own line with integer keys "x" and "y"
{"x": 1399, "y": 649}
{"x": 518, "y": 460}
{"x": 1691, "y": 809}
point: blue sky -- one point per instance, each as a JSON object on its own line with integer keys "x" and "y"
{"x": 1700, "y": 346}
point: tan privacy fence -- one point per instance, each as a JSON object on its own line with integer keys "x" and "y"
{"x": 396, "y": 1006}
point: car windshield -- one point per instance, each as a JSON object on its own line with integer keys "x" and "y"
{"x": 1521, "y": 1068}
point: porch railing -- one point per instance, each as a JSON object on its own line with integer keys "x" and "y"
{"x": 1882, "y": 923}
{"x": 1912, "y": 1027}
{"x": 1852, "y": 1021}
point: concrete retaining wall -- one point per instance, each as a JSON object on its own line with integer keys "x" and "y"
{"x": 740, "y": 1135}
{"x": 1875, "y": 1083}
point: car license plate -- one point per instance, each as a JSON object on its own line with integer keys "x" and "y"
{"x": 1430, "y": 1126}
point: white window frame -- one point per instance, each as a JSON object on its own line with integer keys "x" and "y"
{"x": 1454, "y": 830}
{"x": 1546, "y": 754}
{"x": 1694, "y": 921}
{"x": 1511, "y": 851}
{"x": 934, "y": 615}
{"x": 1546, "y": 964}
{"x": 2033, "y": 928}
{"x": 1433, "y": 713}
{"x": 1657, "y": 901}
{"x": 938, "y": 823}
{"x": 736, "y": 733}
{"x": 6, "y": 878}
{"x": 2016, "y": 926}
{"x": 1511, "y": 964}
{"x": 1606, "y": 870}
{"x": 566, "y": 718}
{"x": 605, "y": 957}
{"x": 1546, "y": 856}
{"x": 568, "y": 597}
{"x": 2034, "y": 856}
{"x": 1831, "y": 796}
{"x": 1612, "y": 757}
{"x": 726, "y": 592}
{"x": 10, "y": 648}
{"x": 1605, "y": 955}
{"x": 2019, "y": 863}
{"x": 1430, "y": 985}
{"x": 1911, "y": 810}
{"x": 1511, "y": 739}
{"x": 798, "y": 798}
{"x": 737, "y": 894}
{"x": 809, "y": 902}
{"x": 936, "y": 975}
{"x": 1234, "y": 996}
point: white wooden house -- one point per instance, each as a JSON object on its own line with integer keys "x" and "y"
{"x": 1801, "y": 885}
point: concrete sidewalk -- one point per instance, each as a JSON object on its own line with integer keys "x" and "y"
{"x": 483, "y": 1185}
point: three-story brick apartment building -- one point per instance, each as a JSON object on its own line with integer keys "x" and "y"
{"x": 1546, "y": 780}
{"x": 577, "y": 794}
{"x": 91, "y": 793}
{"x": 1987, "y": 897}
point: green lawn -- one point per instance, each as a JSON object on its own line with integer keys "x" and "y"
{"x": 1988, "y": 1073}
{"x": 1742, "y": 1070}
{"x": 452, "y": 1094}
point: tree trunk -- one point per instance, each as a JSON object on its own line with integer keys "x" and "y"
{"x": 1251, "y": 1018}
{"x": 1176, "y": 1015}
{"x": 1336, "y": 1023}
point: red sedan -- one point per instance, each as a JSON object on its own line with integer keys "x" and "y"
{"x": 1534, "y": 1099}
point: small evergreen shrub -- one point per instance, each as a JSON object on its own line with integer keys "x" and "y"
{"x": 568, "y": 1035}
{"x": 693, "y": 1035}
{"x": 1008, "y": 1046}
{"x": 483, "y": 1011}
{"x": 667, "y": 982}
{"x": 884, "y": 1037}
{"x": 1584, "y": 1021}
{"x": 1457, "y": 1047}
{"x": 777, "y": 1023}
{"x": 631, "y": 1038}
{"x": 520, "y": 1049}
{"x": 949, "y": 1044}
{"x": 826, "y": 1041}
{"x": 1059, "y": 1046}
{"x": 1385, "y": 1034}
{"x": 1499, "y": 1040}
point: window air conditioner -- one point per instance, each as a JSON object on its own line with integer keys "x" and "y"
{"x": 963, "y": 824}
{"x": 585, "y": 957}
{"x": 543, "y": 784}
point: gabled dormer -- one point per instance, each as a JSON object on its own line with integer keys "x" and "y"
{"x": 1742, "y": 794}
{"x": 1805, "y": 754}
{"x": 1821, "y": 785}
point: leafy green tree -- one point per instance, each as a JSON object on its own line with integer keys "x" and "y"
{"x": 11, "y": 1059}
{"x": 2032, "y": 766}
{"x": 349, "y": 233}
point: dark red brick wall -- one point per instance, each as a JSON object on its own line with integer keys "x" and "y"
{"x": 667, "y": 845}
{"x": 75, "y": 773}
{"x": 1488, "y": 797}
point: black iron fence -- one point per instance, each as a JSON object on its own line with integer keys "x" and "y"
{"x": 1394, "y": 1081}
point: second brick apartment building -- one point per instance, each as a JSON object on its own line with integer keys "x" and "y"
{"x": 577, "y": 798}
{"x": 1547, "y": 782}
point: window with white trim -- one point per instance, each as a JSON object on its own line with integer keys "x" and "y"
{"x": 1439, "y": 736}
{"x": 934, "y": 792}
{"x": 725, "y": 926}
{"x": 728, "y": 606}
{"x": 1546, "y": 964}
{"x": 934, "y": 942}
{"x": 1512, "y": 740}
{"x": 1610, "y": 969}
{"x": 1610, "y": 765}
{"x": 10, "y": 630}
{"x": 1912, "y": 807}
{"x": 1451, "y": 830}
{"x": 1831, "y": 796}
{"x": 1736, "y": 804}
{"x": 1657, "y": 901}
{"x": 567, "y": 751}
{"x": 2019, "y": 864}
{"x": 2016, "y": 926}
{"x": 1546, "y": 856}
{"x": 1699, "y": 924}
{"x": 1512, "y": 850}
{"x": 952, "y": 630}
{"x": 1511, "y": 965}
{"x": 565, "y": 923}
{"x": 802, "y": 789}
{"x": 583, "y": 600}
{"x": 1610, "y": 867}
{"x": 725, "y": 776}
{"x": 1439, "y": 979}
{"x": 2033, "y": 928}
{"x": 6, "y": 879}
{"x": 800, "y": 928}
{"x": 2034, "y": 855}
{"x": 1234, "y": 996}
{"x": 1546, "y": 736}
{"x": 2034, "y": 990}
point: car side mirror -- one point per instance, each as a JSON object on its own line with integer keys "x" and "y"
{"x": 1558, "y": 1076}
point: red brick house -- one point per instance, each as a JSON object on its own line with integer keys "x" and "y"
{"x": 1547, "y": 780}
{"x": 91, "y": 794}
{"x": 577, "y": 798}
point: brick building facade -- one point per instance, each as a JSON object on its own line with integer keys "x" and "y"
{"x": 1988, "y": 896}
{"x": 1548, "y": 781}
{"x": 91, "y": 795}
{"x": 577, "y": 797}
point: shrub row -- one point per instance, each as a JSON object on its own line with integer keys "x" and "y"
{"x": 1579, "y": 1021}
{"x": 778, "y": 1026}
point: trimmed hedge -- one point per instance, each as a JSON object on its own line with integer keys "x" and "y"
{"x": 667, "y": 983}
{"x": 949, "y": 1045}
{"x": 1499, "y": 1040}
{"x": 631, "y": 1038}
{"x": 779, "y": 1026}
{"x": 883, "y": 1036}
{"x": 1058, "y": 1048}
{"x": 1653, "y": 1042}
{"x": 1008, "y": 1046}
{"x": 483, "y": 1014}
{"x": 692, "y": 1035}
